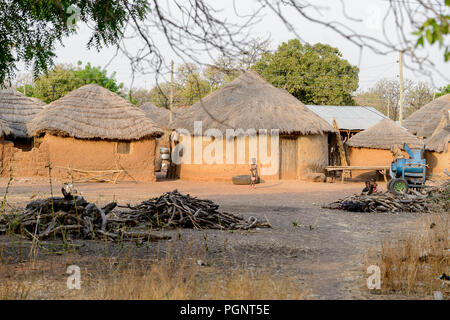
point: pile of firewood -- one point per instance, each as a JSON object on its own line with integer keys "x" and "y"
{"x": 177, "y": 210}
{"x": 381, "y": 202}
{"x": 69, "y": 217}
{"x": 430, "y": 199}
{"x": 72, "y": 217}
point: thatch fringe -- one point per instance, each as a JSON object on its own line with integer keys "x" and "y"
{"x": 16, "y": 109}
{"x": 93, "y": 112}
{"x": 250, "y": 102}
{"x": 424, "y": 121}
{"x": 384, "y": 135}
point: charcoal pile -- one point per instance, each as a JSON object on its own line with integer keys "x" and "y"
{"x": 430, "y": 199}
{"x": 177, "y": 210}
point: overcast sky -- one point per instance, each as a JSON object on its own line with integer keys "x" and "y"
{"x": 372, "y": 66}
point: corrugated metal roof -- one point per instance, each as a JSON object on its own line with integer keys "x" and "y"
{"x": 349, "y": 117}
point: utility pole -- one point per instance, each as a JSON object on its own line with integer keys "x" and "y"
{"x": 171, "y": 93}
{"x": 400, "y": 61}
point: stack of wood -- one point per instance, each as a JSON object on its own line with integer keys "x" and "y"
{"x": 72, "y": 217}
{"x": 69, "y": 217}
{"x": 381, "y": 202}
{"x": 430, "y": 199}
{"x": 177, "y": 210}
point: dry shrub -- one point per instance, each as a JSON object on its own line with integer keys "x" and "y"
{"x": 162, "y": 281}
{"x": 412, "y": 263}
{"x": 166, "y": 278}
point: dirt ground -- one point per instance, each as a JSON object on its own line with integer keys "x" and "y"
{"x": 324, "y": 249}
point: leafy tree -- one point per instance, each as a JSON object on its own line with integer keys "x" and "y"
{"x": 64, "y": 78}
{"x": 418, "y": 95}
{"x": 435, "y": 29}
{"x": 443, "y": 91}
{"x": 385, "y": 97}
{"x": 140, "y": 97}
{"x": 30, "y": 29}
{"x": 159, "y": 95}
{"x": 195, "y": 88}
{"x": 314, "y": 74}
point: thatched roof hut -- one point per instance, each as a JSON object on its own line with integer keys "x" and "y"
{"x": 16, "y": 109}
{"x": 153, "y": 111}
{"x": 424, "y": 121}
{"x": 246, "y": 105}
{"x": 439, "y": 142}
{"x": 440, "y": 139}
{"x": 94, "y": 112}
{"x": 384, "y": 135}
{"x": 250, "y": 102}
{"x": 161, "y": 115}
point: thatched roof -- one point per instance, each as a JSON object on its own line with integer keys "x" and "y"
{"x": 384, "y": 135}
{"x": 4, "y": 129}
{"x": 424, "y": 121}
{"x": 438, "y": 142}
{"x": 94, "y": 112}
{"x": 250, "y": 102}
{"x": 16, "y": 109}
{"x": 161, "y": 115}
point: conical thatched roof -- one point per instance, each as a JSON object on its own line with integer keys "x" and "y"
{"x": 16, "y": 109}
{"x": 384, "y": 135}
{"x": 424, "y": 121}
{"x": 438, "y": 142}
{"x": 161, "y": 115}
{"x": 4, "y": 130}
{"x": 250, "y": 102}
{"x": 94, "y": 112}
{"x": 155, "y": 113}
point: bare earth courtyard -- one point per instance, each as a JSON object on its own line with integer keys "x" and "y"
{"x": 324, "y": 250}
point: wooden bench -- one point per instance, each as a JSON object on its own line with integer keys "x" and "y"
{"x": 348, "y": 169}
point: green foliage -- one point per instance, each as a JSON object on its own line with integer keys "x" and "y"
{"x": 313, "y": 74}
{"x": 195, "y": 88}
{"x": 435, "y": 30}
{"x": 159, "y": 95}
{"x": 64, "y": 78}
{"x": 443, "y": 91}
{"x": 31, "y": 29}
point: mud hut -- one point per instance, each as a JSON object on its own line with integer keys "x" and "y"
{"x": 249, "y": 118}
{"x": 16, "y": 110}
{"x": 92, "y": 130}
{"x": 436, "y": 149}
{"x": 424, "y": 121}
{"x": 372, "y": 147}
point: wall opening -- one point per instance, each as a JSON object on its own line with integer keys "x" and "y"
{"x": 24, "y": 144}
{"x": 123, "y": 147}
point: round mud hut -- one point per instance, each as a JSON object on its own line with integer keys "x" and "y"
{"x": 97, "y": 135}
{"x": 372, "y": 147}
{"x": 249, "y": 119}
{"x": 424, "y": 121}
{"x": 436, "y": 149}
{"x": 16, "y": 110}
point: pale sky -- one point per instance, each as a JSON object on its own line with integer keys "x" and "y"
{"x": 372, "y": 66}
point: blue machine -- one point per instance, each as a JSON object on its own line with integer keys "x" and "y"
{"x": 408, "y": 173}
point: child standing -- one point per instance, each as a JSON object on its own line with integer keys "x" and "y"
{"x": 253, "y": 172}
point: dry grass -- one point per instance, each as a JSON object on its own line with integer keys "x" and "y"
{"x": 128, "y": 278}
{"x": 411, "y": 263}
